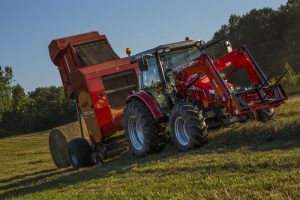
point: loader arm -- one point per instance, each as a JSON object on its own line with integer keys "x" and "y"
{"x": 203, "y": 66}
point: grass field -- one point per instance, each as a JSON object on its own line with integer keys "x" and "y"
{"x": 247, "y": 161}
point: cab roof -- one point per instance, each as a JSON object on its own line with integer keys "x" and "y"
{"x": 171, "y": 46}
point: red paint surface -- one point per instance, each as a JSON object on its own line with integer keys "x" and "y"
{"x": 149, "y": 101}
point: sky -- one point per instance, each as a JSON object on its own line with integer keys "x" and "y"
{"x": 28, "y": 26}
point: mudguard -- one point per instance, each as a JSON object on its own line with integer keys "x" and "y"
{"x": 149, "y": 101}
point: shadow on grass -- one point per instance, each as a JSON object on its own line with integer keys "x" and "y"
{"x": 26, "y": 175}
{"x": 257, "y": 136}
{"x": 36, "y": 178}
{"x": 253, "y": 136}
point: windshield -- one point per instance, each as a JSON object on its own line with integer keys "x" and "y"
{"x": 176, "y": 60}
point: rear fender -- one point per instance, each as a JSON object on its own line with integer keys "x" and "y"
{"x": 149, "y": 101}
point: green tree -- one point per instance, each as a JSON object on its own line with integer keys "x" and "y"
{"x": 49, "y": 107}
{"x": 41, "y": 109}
{"x": 19, "y": 98}
{"x": 271, "y": 35}
{"x": 6, "y": 79}
{"x": 290, "y": 78}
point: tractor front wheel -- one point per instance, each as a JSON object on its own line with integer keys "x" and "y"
{"x": 141, "y": 130}
{"x": 187, "y": 127}
{"x": 80, "y": 153}
{"x": 265, "y": 114}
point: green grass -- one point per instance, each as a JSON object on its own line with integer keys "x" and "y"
{"x": 246, "y": 161}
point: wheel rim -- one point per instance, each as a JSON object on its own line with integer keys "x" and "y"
{"x": 74, "y": 158}
{"x": 136, "y": 134}
{"x": 180, "y": 131}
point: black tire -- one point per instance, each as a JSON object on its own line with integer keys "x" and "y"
{"x": 265, "y": 114}
{"x": 187, "y": 127}
{"x": 141, "y": 130}
{"x": 80, "y": 153}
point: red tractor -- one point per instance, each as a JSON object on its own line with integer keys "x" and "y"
{"x": 173, "y": 91}
{"x": 183, "y": 93}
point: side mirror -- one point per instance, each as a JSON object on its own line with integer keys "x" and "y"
{"x": 228, "y": 46}
{"x": 143, "y": 64}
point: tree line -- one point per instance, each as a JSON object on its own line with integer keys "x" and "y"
{"x": 41, "y": 109}
{"x": 271, "y": 35}
{"x": 273, "y": 38}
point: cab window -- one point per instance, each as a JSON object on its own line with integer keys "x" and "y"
{"x": 151, "y": 76}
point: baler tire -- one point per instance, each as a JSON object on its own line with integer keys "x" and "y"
{"x": 148, "y": 140}
{"x": 265, "y": 114}
{"x": 80, "y": 153}
{"x": 194, "y": 127}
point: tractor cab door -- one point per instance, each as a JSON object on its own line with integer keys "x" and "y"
{"x": 152, "y": 82}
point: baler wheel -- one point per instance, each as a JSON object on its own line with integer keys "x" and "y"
{"x": 187, "y": 127}
{"x": 58, "y": 145}
{"x": 141, "y": 130}
{"x": 80, "y": 153}
{"x": 265, "y": 114}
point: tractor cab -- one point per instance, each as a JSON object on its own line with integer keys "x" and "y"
{"x": 156, "y": 68}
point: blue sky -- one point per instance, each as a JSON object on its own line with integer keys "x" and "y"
{"x": 28, "y": 26}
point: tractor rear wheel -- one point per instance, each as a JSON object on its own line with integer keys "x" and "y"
{"x": 80, "y": 153}
{"x": 265, "y": 114}
{"x": 187, "y": 127}
{"x": 141, "y": 130}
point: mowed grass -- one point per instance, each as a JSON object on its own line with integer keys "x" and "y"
{"x": 252, "y": 160}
